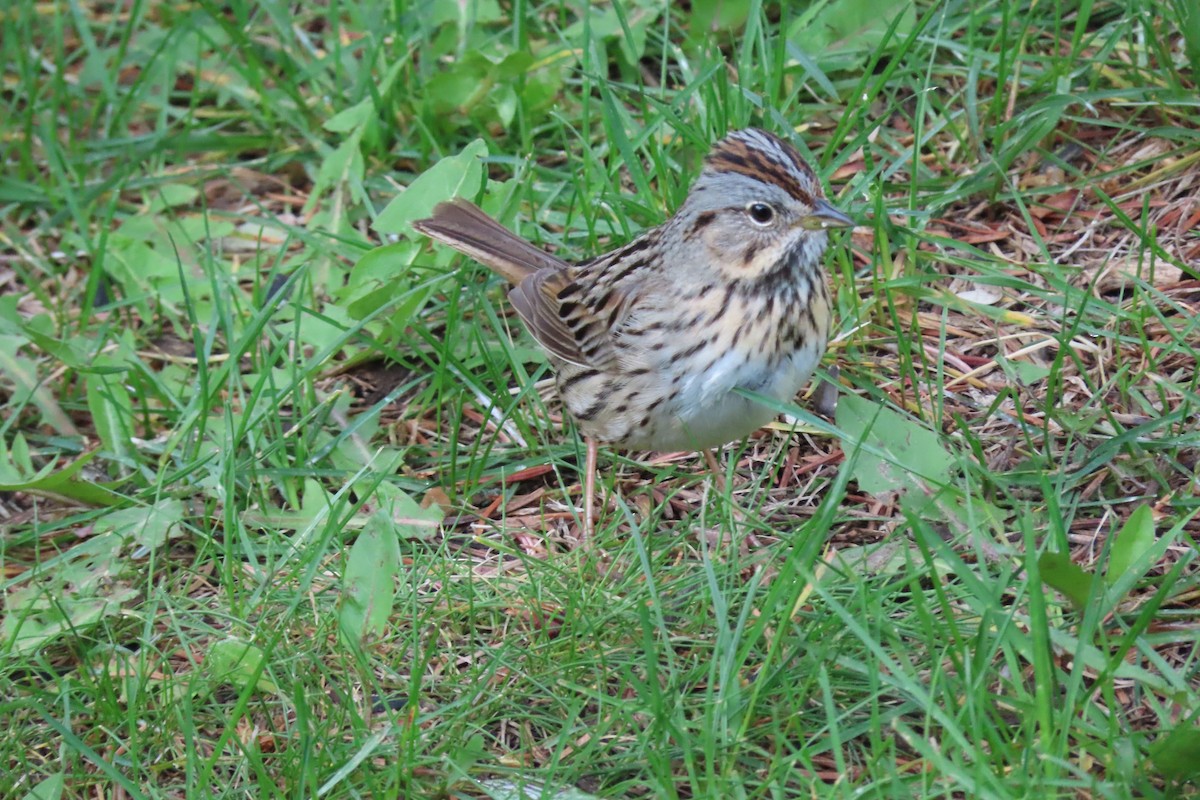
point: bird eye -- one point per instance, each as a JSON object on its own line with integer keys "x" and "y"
{"x": 761, "y": 213}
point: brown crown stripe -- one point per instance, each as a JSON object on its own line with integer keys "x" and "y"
{"x": 740, "y": 153}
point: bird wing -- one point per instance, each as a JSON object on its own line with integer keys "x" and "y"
{"x": 573, "y": 312}
{"x": 568, "y": 320}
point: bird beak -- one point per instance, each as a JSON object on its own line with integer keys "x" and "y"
{"x": 825, "y": 216}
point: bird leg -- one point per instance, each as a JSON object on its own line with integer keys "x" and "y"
{"x": 589, "y": 491}
{"x": 718, "y": 474}
{"x": 715, "y": 466}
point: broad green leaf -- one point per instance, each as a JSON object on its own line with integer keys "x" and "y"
{"x": 1026, "y": 373}
{"x": 1177, "y": 754}
{"x": 374, "y": 277}
{"x": 29, "y": 621}
{"x": 362, "y": 113}
{"x": 369, "y": 583}
{"x": 171, "y": 195}
{"x": 442, "y": 11}
{"x": 344, "y": 163}
{"x": 628, "y": 25}
{"x": 50, "y": 788}
{"x": 1030, "y": 374}
{"x": 350, "y": 118}
{"x": 144, "y": 526}
{"x": 16, "y": 476}
{"x": 12, "y": 321}
{"x": 478, "y": 83}
{"x": 457, "y": 89}
{"x": 411, "y": 520}
{"x": 22, "y": 461}
{"x": 69, "y": 595}
{"x": 718, "y": 16}
{"x": 112, "y": 412}
{"x": 459, "y": 175}
{"x": 315, "y": 504}
{"x": 504, "y": 100}
{"x": 199, "y": 228}
{"x": 139, "y": 269}
{"x": 1063, "y": 574}
{"x": 1135, "y": 538}
{"x": 73, "y": 352}
{"x": 892, "y": 557}
{"x": 92, "y": 566}
{"x": 350, "y": 455}
{"x": 28, "y": 387}
{"x": 315, "y": 501}
{"x": 238, "y": 662}
{"x": 1188, "y": 13}
{"x": 915, "y": 460}
{"x": 841, "y": 34}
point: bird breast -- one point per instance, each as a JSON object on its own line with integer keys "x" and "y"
{"x": 685, "y": 359}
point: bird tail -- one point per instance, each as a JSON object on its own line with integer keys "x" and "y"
{"x": 463, "y": 226}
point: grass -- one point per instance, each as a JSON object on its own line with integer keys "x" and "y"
{"x": 291, "y": 510}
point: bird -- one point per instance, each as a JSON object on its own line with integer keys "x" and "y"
{"x": 653, "y": 342}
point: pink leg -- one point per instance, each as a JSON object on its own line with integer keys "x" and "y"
{"x": 589, "y": 492}
{"x": 717, "y": 473}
